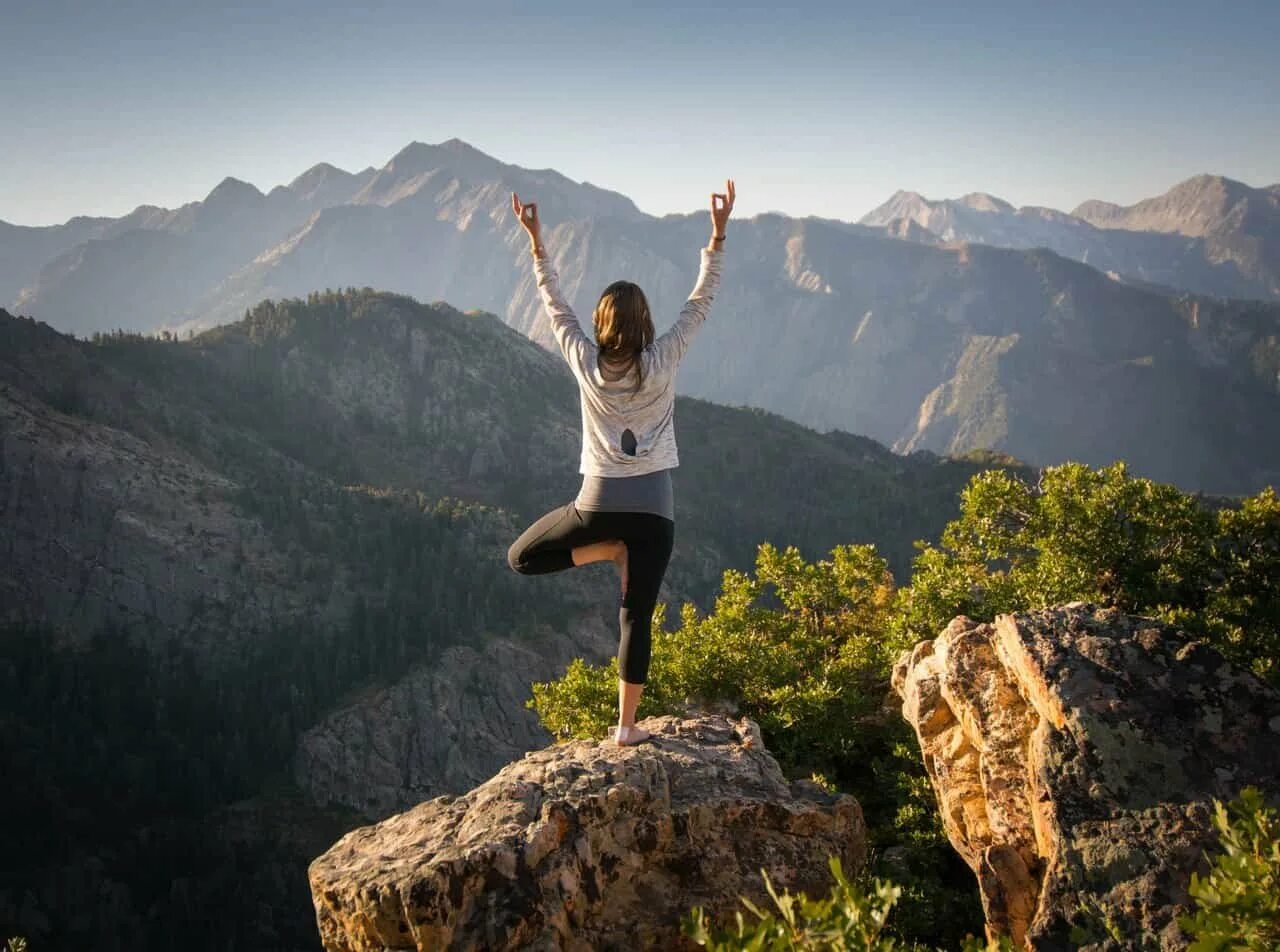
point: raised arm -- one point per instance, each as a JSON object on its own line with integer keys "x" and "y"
{"x": 669, "y": 349}
{"x": 565, "y": 326}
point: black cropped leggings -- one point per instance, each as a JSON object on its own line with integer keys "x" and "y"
{"x": 546, "y": 546}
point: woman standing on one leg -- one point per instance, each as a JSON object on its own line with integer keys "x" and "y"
{"x": 624, "y": 511}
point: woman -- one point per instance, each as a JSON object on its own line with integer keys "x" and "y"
{"x": 624, "y": 511}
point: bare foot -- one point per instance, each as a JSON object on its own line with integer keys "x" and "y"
{"x": 629, "y": 736}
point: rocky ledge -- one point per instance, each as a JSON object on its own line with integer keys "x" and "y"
{"x": 585, "y": 845}
{"x": 1075, "y": 753}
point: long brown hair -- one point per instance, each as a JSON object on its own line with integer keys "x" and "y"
{"x": 624, "y": 326}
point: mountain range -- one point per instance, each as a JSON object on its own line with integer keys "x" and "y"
{"x": 1209, "y": 235}
{"x": 949, "y": 326}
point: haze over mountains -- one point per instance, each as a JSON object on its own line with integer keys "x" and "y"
{"x": 1209, "y": 234}
{"x": 903, "y": 327}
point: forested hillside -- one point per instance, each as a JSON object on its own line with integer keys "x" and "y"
{"x": 222, "y": 557}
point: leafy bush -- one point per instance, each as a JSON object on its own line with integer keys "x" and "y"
{"x": 1105, "y": 536}
{"x": 1238, "y": 902}
{"x": 799, "y": 648}
{"x": 853, "y": 916}
{"x": 850, "y": 918}
{"x": 1243, "y": 606}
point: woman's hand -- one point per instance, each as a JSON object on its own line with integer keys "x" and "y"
{"x": 720, "y": 216}
{"x": 528, "y": 215}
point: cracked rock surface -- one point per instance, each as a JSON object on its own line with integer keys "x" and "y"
{"x": 1075, "y": 753}
{"x": 586, "y": 845}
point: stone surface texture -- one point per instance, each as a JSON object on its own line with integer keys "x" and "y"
{"x": 443, "y": 728}
{"x": 585, "y": 845}
{"x": 1075, "y": 753}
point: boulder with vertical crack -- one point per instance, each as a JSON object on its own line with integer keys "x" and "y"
{"x": 1075, "y": 753}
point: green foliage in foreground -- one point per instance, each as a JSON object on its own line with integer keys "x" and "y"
{"x": 798, "y": 647}
{"x": 1237, "y": 905}
{"x": 1104, "y": 536}
{"x": 806, "y": 649}
{"x": 1238, "y": 902}
{"x": 850, "y": 918}
{"x": 854, "y": 916}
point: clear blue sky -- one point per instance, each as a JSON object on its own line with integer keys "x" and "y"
{"x": 104, "y": 106}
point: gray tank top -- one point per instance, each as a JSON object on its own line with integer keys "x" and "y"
{"x": 648, "y": 493}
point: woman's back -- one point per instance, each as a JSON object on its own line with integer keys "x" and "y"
{"x": 628, "y": 431}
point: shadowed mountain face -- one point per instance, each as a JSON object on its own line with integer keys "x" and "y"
{"x": 918, "y": 343}
{"x": 961, "y": 347}
{"x": 265, "y": 571}
{"x": 343, "y": 391}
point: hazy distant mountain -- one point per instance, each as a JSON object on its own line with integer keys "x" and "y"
{"x": 1239, "y": 225}
{"x": 1201, "y": 206}
{"x": 917, "y": 343}
{"x": 24, "y": 249}
{"x": 152, "y": 265}
{"x": 159, "y": 267}
{"x": 1209, "y": 235}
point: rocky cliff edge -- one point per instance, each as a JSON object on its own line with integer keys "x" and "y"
{"x": 585, "y": 845}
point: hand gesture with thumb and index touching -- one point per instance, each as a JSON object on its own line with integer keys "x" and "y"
{"x": 528, "y": 215}
{"x": 720, "y": 216}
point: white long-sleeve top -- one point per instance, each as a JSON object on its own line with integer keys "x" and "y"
{"x": 612, "y": 407}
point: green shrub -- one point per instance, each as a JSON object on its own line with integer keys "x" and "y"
{"x": 854, "y": 916}
{"x": 1104, "y": 536}
{"x": 849, "y": 918}
{"x": 1238, "y": 902}
{"x": 799, "y": 647}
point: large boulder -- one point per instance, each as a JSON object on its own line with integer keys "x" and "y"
{"x": 1075, "y": 753}
{"x": 586, "y": 845}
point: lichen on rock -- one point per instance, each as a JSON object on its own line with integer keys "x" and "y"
{"x": 1075, "y": 753}
{"x": 585, "y": 845}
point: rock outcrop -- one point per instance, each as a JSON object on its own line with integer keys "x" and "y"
{"x": 442, "y": 728}
{"x": 1075, "y": 753}
{"x": 586, "y": 846}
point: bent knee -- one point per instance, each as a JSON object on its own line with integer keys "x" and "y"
{"x": 515, "y": 559}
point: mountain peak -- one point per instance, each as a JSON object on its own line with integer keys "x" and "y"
{"x": 1204, "y": 180}
{"x": 984, "y": 202}
{"x": 233, "y": 190}
{"x": 1095, "y": 210}
{"x": 318, "y": 174}
{"x": 1214, "y": 188}
{"x": 901, "y": 204}
{"x": 424, "y": 154}
{"x": 1204, "y": 204}
{"x": 457, "y": 145}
